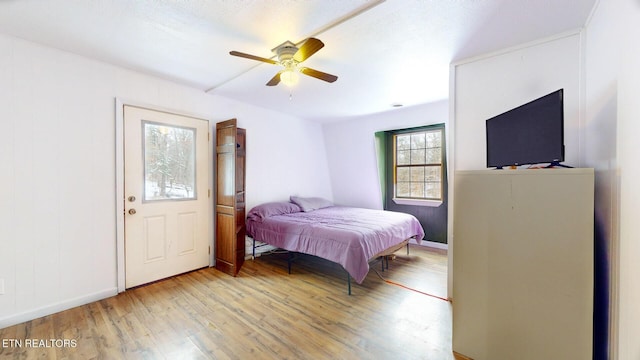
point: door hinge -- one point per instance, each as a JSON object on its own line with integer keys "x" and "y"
{"x": 209, "y": 192}
{"x": 209, "y": 250}
{"x": 208, "y": 136}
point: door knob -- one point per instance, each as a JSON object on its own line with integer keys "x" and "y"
{"x": 132, "y": 211}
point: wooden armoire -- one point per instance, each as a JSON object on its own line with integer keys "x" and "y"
{"x": 230, "y": 197}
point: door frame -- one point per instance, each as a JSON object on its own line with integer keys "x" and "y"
{"x": 120, "y": 196}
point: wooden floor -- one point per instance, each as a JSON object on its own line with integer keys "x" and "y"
{"x": 264, "y": 313}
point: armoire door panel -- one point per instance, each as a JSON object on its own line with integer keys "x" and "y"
{"x": 225, "y": 235}
{"x": 224, "y": 183}
{"x": 230, "y": 196}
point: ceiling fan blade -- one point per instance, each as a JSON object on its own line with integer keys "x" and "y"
{"x": 310, "y": 47}
{"x": 318, "y": 74}
{"x": 253, "y": 57}
{"x": 275, "y": 80}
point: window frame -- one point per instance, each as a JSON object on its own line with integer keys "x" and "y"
{"x": 420, "y": 201}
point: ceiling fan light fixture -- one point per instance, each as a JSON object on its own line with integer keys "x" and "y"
{"x": 289, "y": 77}
{"x": 290, "y": 56}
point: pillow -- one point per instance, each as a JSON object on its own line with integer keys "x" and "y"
{"x": 310, "y": 203}
{"x": 273, "y": 208}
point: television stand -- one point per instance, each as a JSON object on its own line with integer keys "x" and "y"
{"x": 555, "y": 163}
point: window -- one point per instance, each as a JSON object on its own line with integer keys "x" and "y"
{"x": 418, "y": 165}
{"x": 169, "y": 157}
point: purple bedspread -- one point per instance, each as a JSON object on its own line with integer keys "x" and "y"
{"x": 345, "y": 235}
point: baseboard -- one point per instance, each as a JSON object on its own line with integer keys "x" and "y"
{"x": 459, "y": 356}
{"x": 434, "y": 244}
{"x": 57, "y": 307}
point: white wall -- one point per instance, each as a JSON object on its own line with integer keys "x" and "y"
{"x": 58, "y": 178}
{"x": 492, "y": 84}
{"x": 612, "y": 82}
{"x": 285, "y": 155}
{"x": 629, "y": 170}
{"x": 351, "y": 152}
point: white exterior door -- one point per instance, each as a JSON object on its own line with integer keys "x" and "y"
{"x": 166, "y": 194}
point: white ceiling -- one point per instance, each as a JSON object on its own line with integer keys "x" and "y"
{"x": 383, "y": 52}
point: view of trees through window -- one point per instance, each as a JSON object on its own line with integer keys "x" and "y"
{"x": 169, "y": 158}
{"x": 418, "y": 164}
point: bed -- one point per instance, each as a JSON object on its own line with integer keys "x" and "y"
{"x": 349, "y": 236}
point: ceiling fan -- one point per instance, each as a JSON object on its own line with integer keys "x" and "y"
{"x": 290, "y": 57}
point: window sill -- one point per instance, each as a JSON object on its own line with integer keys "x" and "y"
{"x": 416, "y": 202}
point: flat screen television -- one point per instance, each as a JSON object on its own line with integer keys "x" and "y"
{"x": 532, "y": 133}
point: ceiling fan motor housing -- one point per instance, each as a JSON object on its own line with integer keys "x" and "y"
{"x": 285, "y": 51}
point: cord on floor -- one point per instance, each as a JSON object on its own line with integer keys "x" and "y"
{"x": 410, "y": 288}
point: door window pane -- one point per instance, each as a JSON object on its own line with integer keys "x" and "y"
{"x": 169, "y": 158}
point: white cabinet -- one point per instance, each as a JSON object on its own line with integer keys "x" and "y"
{"x": 523, "y": 264}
